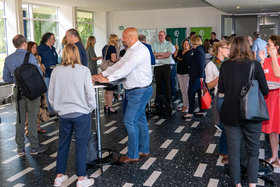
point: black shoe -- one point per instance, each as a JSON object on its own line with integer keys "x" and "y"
{"x": 40, "y": 149}
{"x": 21, "y": 151}
{"x": 105, "y": 109}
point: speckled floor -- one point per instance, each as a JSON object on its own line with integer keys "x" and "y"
{"x": 183, "y": 153}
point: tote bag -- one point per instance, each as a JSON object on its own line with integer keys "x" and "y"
{"x": 252, "y": 104}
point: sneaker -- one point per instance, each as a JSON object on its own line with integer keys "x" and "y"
{"x": 85, "y": 183}
{"x": 21, "y": 151}
{"x": 40, "y": 149}
{"x": 58, "y": 181}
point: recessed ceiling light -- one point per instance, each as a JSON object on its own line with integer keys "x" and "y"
{"x": 131, "y": 3}
{"x": 237, "y": 7}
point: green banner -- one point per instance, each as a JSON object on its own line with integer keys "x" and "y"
{"x": 177, "y": 35}
{"x": 204, "y": 32}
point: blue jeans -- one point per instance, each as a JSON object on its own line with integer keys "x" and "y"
{"x": 223, "y": 138}
{"x": 81, "y": 126}
{"x": 194, "y": 87}
{"x": 136, "y": 122}
{"x": 47, "y": 81}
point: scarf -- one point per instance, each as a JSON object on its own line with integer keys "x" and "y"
{"x": 218, "y": 62}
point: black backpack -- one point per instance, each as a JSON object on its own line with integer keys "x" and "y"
{"x": 29, "y": 80}
{"x": 162, "y": 106}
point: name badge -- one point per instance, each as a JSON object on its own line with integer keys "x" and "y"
{"x": 266, "y": 70}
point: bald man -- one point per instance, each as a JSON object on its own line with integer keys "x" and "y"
{"x": 135, "y": 66}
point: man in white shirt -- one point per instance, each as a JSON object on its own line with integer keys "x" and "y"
{"x": 135, "y": 66}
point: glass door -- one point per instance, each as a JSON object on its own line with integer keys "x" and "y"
{"x": 268, "y": 25}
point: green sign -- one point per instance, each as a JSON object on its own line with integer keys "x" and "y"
{"x": 204, "y": 32}
{"x": 177, "y": 35}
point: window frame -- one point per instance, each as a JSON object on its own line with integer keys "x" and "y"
{"x": 4, "y": 17}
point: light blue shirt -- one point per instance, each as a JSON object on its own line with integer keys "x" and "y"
{"x": 259, "y": 45}
{"x": 15, "y": 60}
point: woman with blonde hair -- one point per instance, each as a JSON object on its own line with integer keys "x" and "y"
{"x": 72, "y": 96}
{"x": 109, "y": 52}
{"x": 234, "y": 74}
{"x": 220, "y": 53}
{"x": 91, "y": 56}
{"x": 196, "y": 73}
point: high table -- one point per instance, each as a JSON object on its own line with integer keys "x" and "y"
{"x": 112, "y": 155}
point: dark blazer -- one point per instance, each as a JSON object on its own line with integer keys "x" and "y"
{"x": 197, "y": 63}
{"x": 233, "y": 75}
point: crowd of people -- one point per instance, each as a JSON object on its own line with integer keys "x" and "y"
{"x": 71, "y": 95}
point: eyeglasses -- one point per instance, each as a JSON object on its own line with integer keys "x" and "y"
{"x": 225, "y": 47}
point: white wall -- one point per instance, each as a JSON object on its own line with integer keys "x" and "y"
{"x": 166, "y": 18}
{"x": 66, "y": 20}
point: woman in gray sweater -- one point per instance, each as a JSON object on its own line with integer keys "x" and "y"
{"x": 72, "y": 96}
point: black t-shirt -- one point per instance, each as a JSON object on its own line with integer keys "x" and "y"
{"x": 183, "y": 65}
{"x": 122, "y": 52}
{"x": 111, "y": 49}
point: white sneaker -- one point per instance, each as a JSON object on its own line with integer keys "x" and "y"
{"x": 59, "y": 181}
{"x": 85, "y": 183}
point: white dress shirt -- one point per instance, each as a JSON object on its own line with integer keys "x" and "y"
{"x": 135, "y": 66}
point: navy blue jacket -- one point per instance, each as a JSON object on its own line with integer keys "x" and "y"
{"x": 197, "y": 63}
{"x": 49, "y": 57}
{"x": 153, "y": 61}
{"x": 83, "y": 53}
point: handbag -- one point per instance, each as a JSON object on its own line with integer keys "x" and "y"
{"x": 252, "y": 104}
{"x": 91, "y": 149}
{"x": 206, "y": 99}
{"x": 105, "y": 63}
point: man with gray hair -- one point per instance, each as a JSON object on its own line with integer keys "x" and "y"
{"x": 72, "y": 36}
{"x": 258, "y": 46}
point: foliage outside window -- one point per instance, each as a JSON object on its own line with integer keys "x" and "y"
{"x": 3, "y": 40}
{"x": 37, "y": 20}
{"x": 85, "y": 25}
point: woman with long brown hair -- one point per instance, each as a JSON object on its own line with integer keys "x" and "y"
{"x": 43, "y": 115}
{"x": 91, "y": 56}
{"x": 234, "y": 74}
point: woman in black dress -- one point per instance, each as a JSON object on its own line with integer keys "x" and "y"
{"x": 109, "y": 52}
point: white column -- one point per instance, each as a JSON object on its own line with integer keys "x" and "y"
{"x": 14, "y": 22}
{"x": 100, "y": 30}
{"x": 66, "y": 20}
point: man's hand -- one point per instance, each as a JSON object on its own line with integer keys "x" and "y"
{"x": 103, "y": 79}
{"x": 96, "y": 77}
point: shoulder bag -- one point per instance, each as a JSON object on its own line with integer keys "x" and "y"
{"x": 105, "y": 63}
{"x": 252, "y": 104}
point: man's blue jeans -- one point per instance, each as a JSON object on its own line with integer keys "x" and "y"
{"x": 81, "y": 126}
{"x": 223, "y": 138}
{"x": 136, "y": 122}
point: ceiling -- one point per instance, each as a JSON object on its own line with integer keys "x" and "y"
{"x": 228, "y": 6}
{"x": 124, "y": 5}
{"x": 246, "y": 6}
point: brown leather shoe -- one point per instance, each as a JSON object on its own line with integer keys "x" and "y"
{"x": 125, "y": 159}
{"x": 144, "y": 155}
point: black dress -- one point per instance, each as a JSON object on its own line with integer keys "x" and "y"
{"x": 111, "y": 50}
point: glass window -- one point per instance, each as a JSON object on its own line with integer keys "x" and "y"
{"x": 3, "y": 38}
{"x": 38, "y": 20}
{"x": 85, "y": 25}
